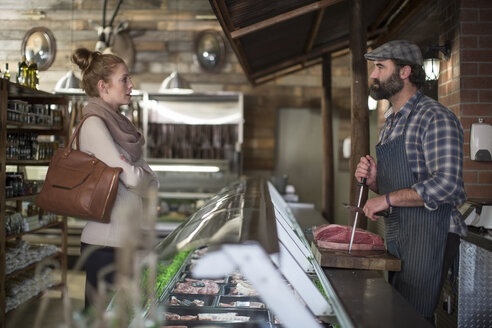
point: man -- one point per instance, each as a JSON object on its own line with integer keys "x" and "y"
{"x": 418, "y": 175}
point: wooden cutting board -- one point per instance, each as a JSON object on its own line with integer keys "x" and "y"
{"x": 370, "y": 260}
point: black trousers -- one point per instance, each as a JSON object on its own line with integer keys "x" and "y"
{"x": 98, "y": 258}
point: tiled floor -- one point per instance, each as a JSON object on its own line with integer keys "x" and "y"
{"x": 49, "y": 310}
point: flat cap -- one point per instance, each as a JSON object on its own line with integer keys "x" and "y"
{"x": 398, "y": 49}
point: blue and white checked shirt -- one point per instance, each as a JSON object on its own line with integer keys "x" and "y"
{"x": 434, "y": 146}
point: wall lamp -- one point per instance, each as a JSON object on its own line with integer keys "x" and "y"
{"x": 432, "y": 61}
{"x": 372, "y": 103}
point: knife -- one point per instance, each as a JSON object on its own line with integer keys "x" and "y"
{"x": 353, "y": 208}
{"x": 362, "y": 184}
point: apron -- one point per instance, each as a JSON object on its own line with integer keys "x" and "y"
{"x": 415, "y": 235}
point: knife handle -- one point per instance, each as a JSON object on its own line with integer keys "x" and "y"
{"x": 363, "y": 181}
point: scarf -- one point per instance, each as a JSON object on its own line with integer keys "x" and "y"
{"x": 123, "y": 131}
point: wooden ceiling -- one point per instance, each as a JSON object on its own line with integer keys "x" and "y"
{"x": 272, "y": 38}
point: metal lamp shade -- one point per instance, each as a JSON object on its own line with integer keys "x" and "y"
{"x": 174, "y": 83}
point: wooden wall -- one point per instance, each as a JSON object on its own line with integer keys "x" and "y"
{"x": 163, "y": 33}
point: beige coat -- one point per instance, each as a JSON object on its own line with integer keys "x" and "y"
{"x": 136, "y": 184}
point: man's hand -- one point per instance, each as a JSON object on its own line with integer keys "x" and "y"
{"x": 367, "y": 169}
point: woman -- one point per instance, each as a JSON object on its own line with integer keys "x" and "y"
{"x": 113, "y": 139}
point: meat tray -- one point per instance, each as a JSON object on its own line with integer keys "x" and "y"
{"x": 229, "y": 290}
{"x": 241, "y": 301}
{"x": 258, "y": 317}
{"x": 208, "y": 300}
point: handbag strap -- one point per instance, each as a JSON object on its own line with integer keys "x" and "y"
{"x": 75, "y": 134}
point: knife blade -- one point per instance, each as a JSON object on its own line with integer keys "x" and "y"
{"x": 354, "y": 208}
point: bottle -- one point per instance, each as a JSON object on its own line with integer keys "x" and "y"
{"x": 32, "y": 73}
{"x": 6, "y": 74}
{"x": 23, "y": 68}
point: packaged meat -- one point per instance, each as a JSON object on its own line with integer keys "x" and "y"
{"x": 335, "y": 236}
{"x": 228, "y": 316}
{"x": 186, "y": 302}
{"x": 247, "y": 304}
{"x": 204, "y": 286}
{"x": 243, "y": 288}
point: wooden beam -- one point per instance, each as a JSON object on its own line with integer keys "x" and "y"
{"x": 224, "y": 19}
{"x": 387, "y": 12}
{"x": 413, "y": 11}
{"x": 359, "y": 114}
{"x": 328, "y": 182}
{"x": 331, "y": 48}
{"x": 300, "y": 59}
{"x": 314, "y": 30}
{"x": 288, "y": 70}
{"x": 282, "y": 17}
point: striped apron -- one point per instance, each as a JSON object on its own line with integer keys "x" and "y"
{"x": 415, "y": 235}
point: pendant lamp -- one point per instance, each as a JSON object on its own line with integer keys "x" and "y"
{"x": 68, "y": 82}
{"x": 175, "y": 84}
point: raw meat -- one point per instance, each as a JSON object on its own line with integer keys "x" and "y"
{"x": 229, "y": 316}
{"x": 192, "y": 286}
{"x": 253, "y": 305}
{"x": 185, "y": 302}
{"x": 334, "y": 236}
{"x": 177, "y": 317}
{"x": 243, "y": 288}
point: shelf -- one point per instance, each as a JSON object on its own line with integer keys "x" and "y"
{"x": 13, "y": 125}
{"x": 58, "y": 286}
{"x": 32, "y": 162}
{"x": 17, "y": 91}
{"x": 50, "y": 225}
{"x": 13, "y": 91}
{"x": 18, "y": 198}
{"x": 31, "y": 266}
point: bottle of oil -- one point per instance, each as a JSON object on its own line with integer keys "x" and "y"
{"x": 33, "y": 73}
{"x": 22, "y": 75}
{"x": 6, "y": 74}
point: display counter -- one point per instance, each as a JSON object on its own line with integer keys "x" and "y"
{"x": 243, "y": 260}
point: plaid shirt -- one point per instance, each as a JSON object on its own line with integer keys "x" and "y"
{"x": 434, "y": 146}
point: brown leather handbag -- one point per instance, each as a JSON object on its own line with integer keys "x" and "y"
{"x": 78, "y": 184}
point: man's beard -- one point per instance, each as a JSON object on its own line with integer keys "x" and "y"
{"x": 384, "y": 90}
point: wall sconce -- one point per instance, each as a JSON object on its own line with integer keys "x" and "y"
{"x": 432, "y": 61}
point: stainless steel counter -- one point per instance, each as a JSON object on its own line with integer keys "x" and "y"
{"x": 480, "y": 238}
{"x": 365, "y": 295}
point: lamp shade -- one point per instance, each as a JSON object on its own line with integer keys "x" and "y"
{"x": 67, "y": 82}
{"x": 372, "y": 103}
{"x": 174, "y": 83}
{"x": 432, "y": 68}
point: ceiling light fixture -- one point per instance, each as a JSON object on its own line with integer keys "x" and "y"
{"x": 175, "y": 83}
{"x": 432, "y": 60}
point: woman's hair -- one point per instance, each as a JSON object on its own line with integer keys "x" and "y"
{"x": 95, "y": 66}
{"x": 417, "y": 76}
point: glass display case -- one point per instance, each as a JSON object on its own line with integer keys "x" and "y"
{"x": 241, "y": 260}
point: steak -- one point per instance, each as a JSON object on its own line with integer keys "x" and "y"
{"x": 335, "y": 236}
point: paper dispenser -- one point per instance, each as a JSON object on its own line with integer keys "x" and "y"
{"x": 481, "y": 141}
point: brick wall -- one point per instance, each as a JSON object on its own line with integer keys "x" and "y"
{"x": 465, "y": 84}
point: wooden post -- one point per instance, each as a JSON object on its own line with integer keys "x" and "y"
{"x": 326, "y": 112}
{"x": 359, "y": 115}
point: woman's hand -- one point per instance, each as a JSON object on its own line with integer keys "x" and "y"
{"x": 123, "y": 158}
